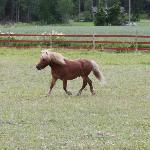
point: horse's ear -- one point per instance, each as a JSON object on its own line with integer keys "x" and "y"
{"x": 43, "y": 51}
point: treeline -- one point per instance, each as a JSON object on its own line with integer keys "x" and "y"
{"x": 117, "y": 12}
{"x": 61, "y": 11}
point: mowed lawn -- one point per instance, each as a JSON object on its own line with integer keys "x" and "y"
{"x": 117, "y": 117}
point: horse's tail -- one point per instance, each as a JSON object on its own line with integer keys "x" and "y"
{"x": 98, "y": 74}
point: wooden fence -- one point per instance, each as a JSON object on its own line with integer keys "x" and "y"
{"x": 133, "y": 42}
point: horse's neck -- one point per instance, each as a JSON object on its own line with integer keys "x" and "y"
{"x": 54, "y": 65}
{"x": 51, "y": 64}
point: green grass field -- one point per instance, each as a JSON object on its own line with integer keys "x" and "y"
{"x": 117, "y": 117}
{"x": 77, "y": 28}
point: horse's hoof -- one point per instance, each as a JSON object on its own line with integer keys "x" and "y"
{"x": 69, "y": 93}
{"x": 93, "y": 93}
{"x": 78, "y": 94}
{"x": 47, "y": 95}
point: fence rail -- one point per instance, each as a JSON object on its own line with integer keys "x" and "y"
{"x": 78, "y": 35}
{"x": 55, "y": 41}
{"x": 94, "y": 41}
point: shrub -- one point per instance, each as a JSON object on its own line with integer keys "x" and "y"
{"x": 111, "y": 16}
{"x": 100, "y": 18}
{"x": 114, "y": 14}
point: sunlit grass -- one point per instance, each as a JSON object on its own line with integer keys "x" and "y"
{"x": 116, "y": 118}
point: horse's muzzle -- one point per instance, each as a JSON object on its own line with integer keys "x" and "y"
{"x": 37, "y": 67}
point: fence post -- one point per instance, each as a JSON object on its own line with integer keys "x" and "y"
{"x": 136, "y": 41}
{"x": 9, "y": 38}
{"x": 51, "y": 42}
{"x": 93, "y": 41}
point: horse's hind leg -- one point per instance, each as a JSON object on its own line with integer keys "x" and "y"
{"x": 83, "y": 85}
{"x": 91, "y": 86}
{"x": 65, "y": 87}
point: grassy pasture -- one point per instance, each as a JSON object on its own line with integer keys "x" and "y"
{"x": 116, "y": 118}
{"x": 73, "y": 29}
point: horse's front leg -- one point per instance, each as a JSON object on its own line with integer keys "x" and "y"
{"x": 83, "y": 85}
{"x": 52, "y": 85}
{"x": 65, "y": 87}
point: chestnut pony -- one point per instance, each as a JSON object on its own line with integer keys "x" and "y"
{"x": 65, "y": 69}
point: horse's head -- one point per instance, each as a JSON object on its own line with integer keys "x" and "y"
{"x": 44, "y": 60}
{"x": 49, "y": 57}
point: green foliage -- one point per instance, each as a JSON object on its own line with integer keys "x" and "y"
{"x": 87, "y": 13}
{"x": 60, "y": 11}
{"x": 2, "y": 8}
{"x": 100, "y": 18}
{"x": 114, "y": 14}
{"x": 87, "y": 16}
{"x": 65, "y": 9}
{"x": 47, "y": 11}
{"x": 135, "y": 16}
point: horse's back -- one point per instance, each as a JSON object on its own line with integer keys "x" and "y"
{"x": 82, "y": 66}
{"x": 79, "y": 63}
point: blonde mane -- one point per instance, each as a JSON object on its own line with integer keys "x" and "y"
{"x": 54, "y": 57}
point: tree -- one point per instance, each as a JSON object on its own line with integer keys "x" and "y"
{"x": 47, "y": 11}
{"x": 65, "y": 9}
{"x": 100, "y": 17}
{"x": 111, "y": 16}
{"x": 87, "y": 14}
{"x": 2, "y": 8}
{"x": 114, "y": 14}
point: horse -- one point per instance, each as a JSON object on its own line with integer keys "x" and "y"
{"x": 65, "y": 69}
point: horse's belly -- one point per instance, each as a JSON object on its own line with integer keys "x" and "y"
{"x": 72, "y": 77}
{"x": 67, "y": 74}
{"x": 72, "y": 74}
